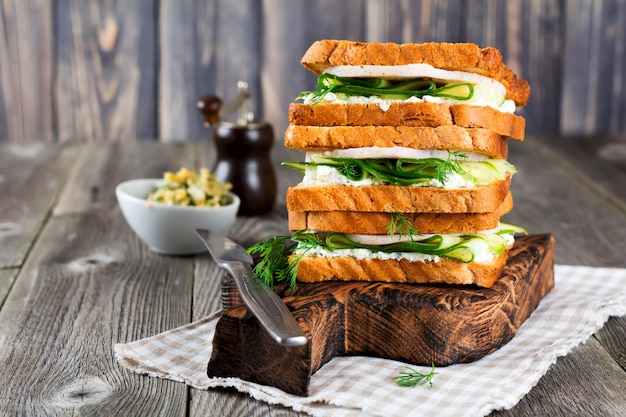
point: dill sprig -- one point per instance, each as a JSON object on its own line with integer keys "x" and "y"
{"x": 277, "y": 260}
{"x": 446, "y": 168}
{"x": 412, "y": 377}
{"x": 273, "y": 261}
{"x": 353, "y": 171}
{"x": 400, "y": 224}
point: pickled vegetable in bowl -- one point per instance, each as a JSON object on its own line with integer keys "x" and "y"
{"x": 165, "y": 212}
{"x": 190, "y": 188}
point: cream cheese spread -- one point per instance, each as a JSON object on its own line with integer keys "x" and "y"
{"x": 368, "y": 254}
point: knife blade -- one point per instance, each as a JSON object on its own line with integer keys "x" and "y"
{"x": 262, "y": 301}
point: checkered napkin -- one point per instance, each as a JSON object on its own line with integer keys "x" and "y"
{"x": 580, "y": 303}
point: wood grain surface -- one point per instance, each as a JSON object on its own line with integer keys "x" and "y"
{"x": 85, "y": 281}
{"x": 106, "y": 69}
{"x": 27, "y": 66}
{"x": 117, "y": 71}
{"x": 35, "y": 173}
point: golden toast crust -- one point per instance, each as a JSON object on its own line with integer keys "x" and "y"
{"x": 454, "y": 138}
{"x": 372, "y": 223}
{"x": 448, "y": 271}
{"x": 409, "y": 115}
{"x": 398, "y": 199}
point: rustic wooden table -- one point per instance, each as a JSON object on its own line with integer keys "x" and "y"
{"x": 74, "y": 279}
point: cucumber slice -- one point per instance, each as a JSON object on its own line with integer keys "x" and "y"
{"x": 488, "y": 171}
{"x": 487, "y": 92}
{"x": 418, "y": 84}
{"x": 502, "y": 165}
{"x": 482, "y": 172}
{"x": 511, "y": 229}
{"x": 462, "y": 254}
{"x": 496, "y": 243}
{"x": 463, "y": 91}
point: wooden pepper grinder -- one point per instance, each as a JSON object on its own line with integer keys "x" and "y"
{"x": 243, "y": 151}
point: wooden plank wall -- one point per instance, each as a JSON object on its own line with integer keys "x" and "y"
{"x": 117, "y": 70}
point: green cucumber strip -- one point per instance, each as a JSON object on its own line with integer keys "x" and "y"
{"x": 511, "y": 229}
{"x": 386, "y": 89}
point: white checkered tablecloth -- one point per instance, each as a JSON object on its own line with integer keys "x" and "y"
{"x": 580, "y": 303}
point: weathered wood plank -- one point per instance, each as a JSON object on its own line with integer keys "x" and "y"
{"x": 404, "y": 21}
{"x": 106, "y": 70}
{"x": 26, "y": 70}
{"x": 595, "y": 387}
{"x": 80, "y": 293}
{"x": 228, "y": 402}
{"x": 290, "y": 27}
{"x": 187, "y": 62}
{"x": 599, "y": 161}
{"x": 528, "y": 36}
{"x": 534, "y": 49}
{"x": 238, "y": 27}
{"x": 7, "y": 277}
{"x": 487, "y": 24}
{"x": 439, "y": 21}
{"x": 547, "y": 198}
{"x": 112, "y": 71}
{"x": 594, "y": 65}
{"x": 109, "y": 163}
{"x": 223, "y": 47}
{"x": 32, "y": 173}
{"x": 612, "y": 337}
{"x": 413, "y": 21}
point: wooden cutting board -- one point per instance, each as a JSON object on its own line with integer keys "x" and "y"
{"x": 413, "y": 323}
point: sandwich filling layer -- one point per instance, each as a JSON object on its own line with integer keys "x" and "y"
{"x": 384, "y": 85}
{"x": 401, "y": 166}
{"x": 481, "y": 247}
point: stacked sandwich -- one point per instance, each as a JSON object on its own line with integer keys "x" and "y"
{"x": 406, "y": 174}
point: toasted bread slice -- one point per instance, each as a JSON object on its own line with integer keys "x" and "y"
{"x": 408, "y": 114}
{"x": 465, "y": 57}
{"x": 455, "y": 138}
{"x": 398, "y": 199}
{"x": 446, "y": 271}
{"x": 369, "y": 223}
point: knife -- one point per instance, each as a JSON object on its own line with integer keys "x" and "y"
{"x": 263, "y": 301}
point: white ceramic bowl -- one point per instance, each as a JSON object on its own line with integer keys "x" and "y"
{"x": 170, "y": 230}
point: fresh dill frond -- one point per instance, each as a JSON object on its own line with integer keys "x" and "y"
{"x": 352, "y": 171}
{"x": 273, "y": 264}
{"x": 412, "y": 377}
{"x": 399, "y": 224}
{"x": 444, "y": 169}
{"x": 277, "y": 260}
